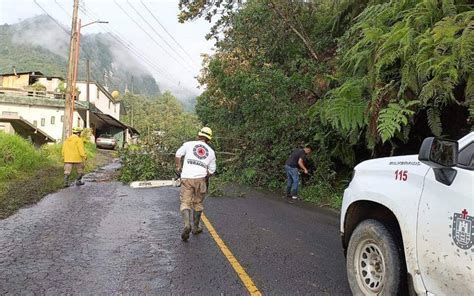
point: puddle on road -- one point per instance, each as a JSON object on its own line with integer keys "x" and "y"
{"x": 106, "y": 173}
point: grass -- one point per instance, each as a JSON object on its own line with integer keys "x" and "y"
{"x": 27, "y": 174}
{"x": 320, "y": 193}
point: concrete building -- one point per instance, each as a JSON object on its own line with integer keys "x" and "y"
{"x": 21, "y": 105}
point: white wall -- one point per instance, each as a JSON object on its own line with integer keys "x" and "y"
{"x": 101, "y": 101}
{"x": 51, "y": 85}
{"x": 37, "y": 113}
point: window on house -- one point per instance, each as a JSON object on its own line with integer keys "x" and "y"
{"x": 43, "y": 121}
{"x": 53, "y": 120}
{"x": 62, "y": 118}
{"x": 115, "y": 107}
{"x": 35, "y": 122}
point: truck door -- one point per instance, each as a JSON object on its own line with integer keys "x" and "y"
{"x": 445, "y": 234}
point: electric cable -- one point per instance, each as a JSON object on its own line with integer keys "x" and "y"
{"x": 167, "y": 32}
{"x": 158, "y": 34}
{"x": 144, "y": 31}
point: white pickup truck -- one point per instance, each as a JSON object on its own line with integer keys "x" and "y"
{"x": 407, "y": 222}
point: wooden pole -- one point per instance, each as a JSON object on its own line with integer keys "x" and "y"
{"x": 76, "y": 66}
{"x": 88, "y": 125}
{"x": 69, "y": 103}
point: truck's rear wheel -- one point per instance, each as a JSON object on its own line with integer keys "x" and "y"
{"x": 374, "y": 264}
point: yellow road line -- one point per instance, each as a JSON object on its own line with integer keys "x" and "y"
{"x": 244, "y": 277}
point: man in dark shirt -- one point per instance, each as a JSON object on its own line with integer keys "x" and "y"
{"x": 295, "y": 161}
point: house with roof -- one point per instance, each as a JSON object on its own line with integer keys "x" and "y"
{"x": 32, "y": 105}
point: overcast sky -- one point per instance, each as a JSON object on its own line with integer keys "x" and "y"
{"x": 178, "y": 73}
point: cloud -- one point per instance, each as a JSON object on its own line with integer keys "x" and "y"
{"x": 41, "y": 31}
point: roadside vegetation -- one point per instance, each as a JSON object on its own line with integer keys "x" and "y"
{"x": 28, "y": 173}
{"x": 164, "y": 126}
{"x": 358, "y": 79}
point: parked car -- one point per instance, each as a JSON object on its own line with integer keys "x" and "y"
{"x": 407, "y": 222}
{"x": 106, "y": 141}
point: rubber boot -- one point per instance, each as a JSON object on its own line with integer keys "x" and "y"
{"x": 79, "y": 180}
{"x": 197, "y": 218}
{"x": 66, "y": 181}
{"x": 187, "y": 224}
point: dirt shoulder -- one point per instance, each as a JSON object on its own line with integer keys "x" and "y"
{"x": 31, "y": 188}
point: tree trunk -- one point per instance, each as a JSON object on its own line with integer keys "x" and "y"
{"x": 298, "y": 33}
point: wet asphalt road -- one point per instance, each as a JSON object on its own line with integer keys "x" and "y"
{"x": 105, "y": 238}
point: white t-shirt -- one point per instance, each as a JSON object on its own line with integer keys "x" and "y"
{"x": 199, "y": 158}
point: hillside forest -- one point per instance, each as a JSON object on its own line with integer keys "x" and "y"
{"x": 356, "y": 78}
{"x": 111, "y": 64}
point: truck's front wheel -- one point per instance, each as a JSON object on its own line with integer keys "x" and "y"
{"x": 374, "y": 264}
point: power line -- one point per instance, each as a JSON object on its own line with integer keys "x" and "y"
{"x": 81, "y": 46}
{"x": 58, "y": 23}
{"x": 128, "y": 45}
{"x": 86, "y": 53}
{"x": 143, "y": 30}
{"x": 163, "y": 27}
{"x": 156, "y": 32}
{"x": 54, "y": 20}
{"x": 131, "y": 48}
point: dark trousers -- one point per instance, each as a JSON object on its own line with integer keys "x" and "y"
{"x": 293, "y": 180}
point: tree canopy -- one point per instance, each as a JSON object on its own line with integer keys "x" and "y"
{"x": 357, "y": 79}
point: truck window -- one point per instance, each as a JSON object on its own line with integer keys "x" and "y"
{"x": 466, "y": 157}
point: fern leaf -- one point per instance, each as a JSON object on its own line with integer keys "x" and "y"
{"x": 393, "y": 118}
{"x": 434, "y": 121}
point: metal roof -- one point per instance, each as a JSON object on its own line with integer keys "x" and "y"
{"x": 25, "y": 129}
{"x": 111, "y": 121}
{"x": 33, "y": 73}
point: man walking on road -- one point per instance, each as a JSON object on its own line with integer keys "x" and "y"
{"x": 74, "y": 156}
{"x": 199, "y": 164}
{"x": 295, "y": 161}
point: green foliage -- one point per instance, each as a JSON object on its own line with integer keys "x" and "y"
{"x": 27, "y": 174}
{"x": 345, "y": 108}
{"x": 164, "y": 126}
{"x": 161, "y": 120}
{"x": 389, "y": 70}
{"x": 393, "y": 117}
{"x": 434, "y": 121}
{"x": 17, "y": 155}
{"x": 137, "y": 165}
{"x": 28, "y": 55}
{"x": 411, "y": 50}
{"x": 38, "y": 86}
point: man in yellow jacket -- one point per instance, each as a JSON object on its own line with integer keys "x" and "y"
{"x": 74, "y": 156}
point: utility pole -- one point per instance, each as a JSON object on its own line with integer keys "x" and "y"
{"x": 88, "y": 72}
{"x": 76, "y": 65}
{"x": 133, "y": 98}
{"x": 69, "y": 103}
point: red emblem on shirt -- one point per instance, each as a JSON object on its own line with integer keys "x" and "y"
{"x": 200, "y": 151}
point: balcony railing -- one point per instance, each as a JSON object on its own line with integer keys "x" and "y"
{"x": 31, "y": 93}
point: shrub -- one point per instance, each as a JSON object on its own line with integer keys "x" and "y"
{"x": 146, "y": 164}
{"x": 17, "y": 156}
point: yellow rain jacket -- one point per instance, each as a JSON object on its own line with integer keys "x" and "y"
{"x": 73, "y": 150}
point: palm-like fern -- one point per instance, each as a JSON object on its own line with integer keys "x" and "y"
{"x": 345, "y": 110}
{"x": 392, "y": 118}
{"x": 421, "y": 50}
{"x": 434, "y": 121}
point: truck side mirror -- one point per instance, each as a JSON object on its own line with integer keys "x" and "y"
{"x": 441, "y": 155}
{"x": 438, "y": 153}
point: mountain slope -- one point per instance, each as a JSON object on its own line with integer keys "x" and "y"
{"x": 39, "y": 44}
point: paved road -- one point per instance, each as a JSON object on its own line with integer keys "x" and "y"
{"x": 105, "y": 238}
